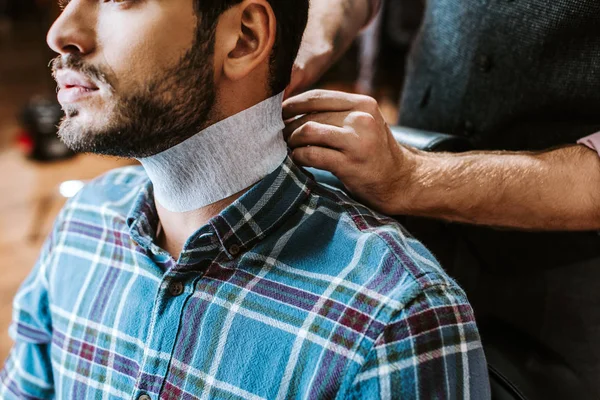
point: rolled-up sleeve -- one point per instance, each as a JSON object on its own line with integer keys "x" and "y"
{"x": 592, "y": 141}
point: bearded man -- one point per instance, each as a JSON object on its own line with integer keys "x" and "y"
{"x": 219, "y": 269}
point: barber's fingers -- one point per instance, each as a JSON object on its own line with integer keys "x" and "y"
{"x": 336, "y": 119}
{"x": 327, "y": 101}
{"x": 323, "y": 135}
{"x": 319, "y": 157}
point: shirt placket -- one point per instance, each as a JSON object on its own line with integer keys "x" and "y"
{"x": 172, "y": 294}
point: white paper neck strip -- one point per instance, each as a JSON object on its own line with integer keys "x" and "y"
{"x": 220, "y": 161}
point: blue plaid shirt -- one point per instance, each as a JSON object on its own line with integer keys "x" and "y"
{"x": 294, "y": 291}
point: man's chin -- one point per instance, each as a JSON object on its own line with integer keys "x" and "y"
{"x": 115, "y": 141}
{"x": 83, "y": 115}
{"x": 81, "y": 136}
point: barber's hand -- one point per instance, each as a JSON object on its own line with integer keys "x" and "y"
{"x": 347, "y": 135}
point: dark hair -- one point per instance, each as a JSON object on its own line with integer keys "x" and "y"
{"x": 291, "y": 15}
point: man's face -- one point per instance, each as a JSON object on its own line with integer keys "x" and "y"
{"x": 135, "y": 76}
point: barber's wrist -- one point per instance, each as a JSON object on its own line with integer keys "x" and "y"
{"x": 393, "y": 190}
{"x": 422, "y": 185}
{"x": 435, "y": 185}
{"x": 404, "y": 185}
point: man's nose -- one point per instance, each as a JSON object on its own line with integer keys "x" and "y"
{"x": 73, "y": 31}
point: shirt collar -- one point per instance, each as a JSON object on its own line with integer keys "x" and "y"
{"x": 262, "y": 209}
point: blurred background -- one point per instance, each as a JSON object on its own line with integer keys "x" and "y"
{"x": 38, "y": 174}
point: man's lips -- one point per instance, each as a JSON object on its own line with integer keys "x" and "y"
{"x": 68, "y": 79}
{"x": 74, "y": 94}
{"x": 73, "y": 86}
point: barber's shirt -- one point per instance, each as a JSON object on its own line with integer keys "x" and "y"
{"x": 294, "y": 291}
{"x": 592, "y": 141}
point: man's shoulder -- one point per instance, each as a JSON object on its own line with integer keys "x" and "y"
{"x": 113, "y": 192}
{"x": 130, "y": 176}
{"x": 372, "y": 268}
{"x": 389, "y": 251}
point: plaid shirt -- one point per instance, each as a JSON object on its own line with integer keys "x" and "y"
{"x": 294, "y": 291}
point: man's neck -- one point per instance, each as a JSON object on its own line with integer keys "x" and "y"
{"x": 195, "y": 180}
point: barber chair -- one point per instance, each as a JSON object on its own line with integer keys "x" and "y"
{"x": 519, "y": 368}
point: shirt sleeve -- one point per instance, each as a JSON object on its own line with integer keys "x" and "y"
{"x": 27, "y": 373}
{"x": 592, "y": 141}
{"x": 430, "y": 350}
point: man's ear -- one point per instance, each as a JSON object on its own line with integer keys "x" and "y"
{"x": 247, "y": 36}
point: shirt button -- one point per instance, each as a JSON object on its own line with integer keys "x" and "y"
{"x": 176, "y": 288}
{"x": 144, "y": 397}
{"x": 234, "y": 250}
{"x": 485, "y": 63}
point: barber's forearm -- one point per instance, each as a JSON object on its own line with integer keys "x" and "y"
{"x": 554, "y": 190}
{"x": 332, "y": 27}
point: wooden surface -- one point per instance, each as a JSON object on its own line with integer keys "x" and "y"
{"x": 29, "y": 203}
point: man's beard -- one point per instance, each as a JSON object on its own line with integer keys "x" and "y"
{"x": 173, "y": 106}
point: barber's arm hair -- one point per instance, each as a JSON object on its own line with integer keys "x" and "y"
{"x": 551, "y": 190}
